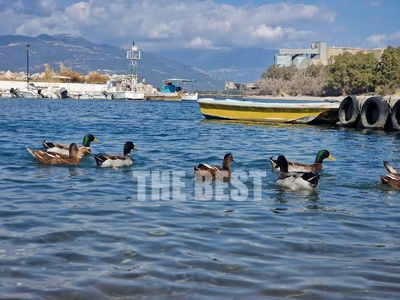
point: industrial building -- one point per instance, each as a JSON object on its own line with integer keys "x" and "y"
{"x": 318, "y": 53}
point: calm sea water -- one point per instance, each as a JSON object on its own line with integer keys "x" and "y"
{"x": 150, "y": 231}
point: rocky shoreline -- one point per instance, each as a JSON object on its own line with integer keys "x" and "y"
{"x": 20, "y": 76}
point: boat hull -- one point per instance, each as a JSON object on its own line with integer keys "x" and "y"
{"x": 190, "y": 97}
{"x": 127, "y": 95}
{"x": 168, "y": 96}
{"x": 318, "y": 112}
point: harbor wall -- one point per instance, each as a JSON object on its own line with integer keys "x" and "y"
{"x": 74, "y": 88}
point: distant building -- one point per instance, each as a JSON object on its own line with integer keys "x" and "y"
{"x": 318, "y": 53}
{"x": 234, "y": 86}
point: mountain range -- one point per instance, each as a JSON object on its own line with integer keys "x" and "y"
{"x": 209, "y": 67}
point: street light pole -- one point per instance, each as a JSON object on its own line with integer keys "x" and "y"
{"x": 27, "y": 64}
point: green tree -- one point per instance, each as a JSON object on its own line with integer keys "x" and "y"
{"x": 352, "y": 74}
{"x": 363, "y": 72}
{"x": 388, "y": 70}
{"x": 316, "y": 71}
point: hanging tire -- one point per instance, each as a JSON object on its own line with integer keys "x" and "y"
{"x": 348, "y": 111}
{"x": 374, "y": 113}
{"x": 395, "y": 115}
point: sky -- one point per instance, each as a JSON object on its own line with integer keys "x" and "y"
{"x": 157, "y": 25}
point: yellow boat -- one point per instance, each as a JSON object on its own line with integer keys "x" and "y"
{"x": 274, "y": 112}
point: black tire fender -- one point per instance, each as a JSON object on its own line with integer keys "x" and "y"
{"x": 395, "y": 115}
{"x": 374, "y": 113}
{"x": 349, "y": 111}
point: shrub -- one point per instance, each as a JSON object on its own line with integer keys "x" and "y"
{"x": 95, "y": 77}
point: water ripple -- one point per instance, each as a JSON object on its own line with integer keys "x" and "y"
{"x": 91, "y": 233}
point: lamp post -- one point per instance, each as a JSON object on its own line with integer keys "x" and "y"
{"x": 27, "y": 64}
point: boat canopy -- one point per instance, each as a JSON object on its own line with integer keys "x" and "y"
{"x": 182, "y": 80}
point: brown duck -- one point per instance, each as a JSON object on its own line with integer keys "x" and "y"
{"x": 392, "y": 177}
{"x": 215, "y": 172}
{"x": 51, "y": 158}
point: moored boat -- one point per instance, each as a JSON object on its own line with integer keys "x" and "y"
{"x": 58, "y": 88}
{"x": 190, "y": 96}
{"x": 127, "y": 95}
{"x": 273, "y": 112}
{"x": 169, "y": 90}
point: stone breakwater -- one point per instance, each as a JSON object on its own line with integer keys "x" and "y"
{"x": 21, "y": 76}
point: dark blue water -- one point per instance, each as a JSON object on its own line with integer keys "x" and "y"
{"x": 150, "y": 231}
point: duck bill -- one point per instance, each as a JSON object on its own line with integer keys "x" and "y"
{"x": 331, "y": 158}
{"x": 136, "y": 149}
{"x": 96, "y": 140}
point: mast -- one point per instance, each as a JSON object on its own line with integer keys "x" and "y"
{"x": 28, "y": 48}
{"x": 133, "y": 55}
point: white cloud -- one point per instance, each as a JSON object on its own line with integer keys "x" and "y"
{"x": 190, "y": 23}
{"x": 377, "y": 40}
{"x": 395, "y": 38}
{"x": 199, "y": 43}
{"x": 382, "y": 40}
{"x": 268, "y": 33}
{"x": 375, "y": 3}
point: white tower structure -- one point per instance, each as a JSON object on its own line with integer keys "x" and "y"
{"x": 133, "y": 55}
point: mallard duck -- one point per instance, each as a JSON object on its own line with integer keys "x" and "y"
{"x": 295, "y": 180}
{"x": 51, "y": 158}
{"x": 64, "y": 149}
{"x": 216, "y": 172}
{"x": 302, "y": 167}
{"x": 116, "y": 160}
{"x": 392, "y": 177}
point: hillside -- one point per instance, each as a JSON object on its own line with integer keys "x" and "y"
{"x": 238, "y": 64}
{"x": 84, "y": 57}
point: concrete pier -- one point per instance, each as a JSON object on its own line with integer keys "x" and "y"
{"x": 74, "y": 89}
